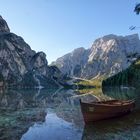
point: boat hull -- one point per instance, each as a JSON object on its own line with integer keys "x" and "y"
{"x": 105, "y": 110}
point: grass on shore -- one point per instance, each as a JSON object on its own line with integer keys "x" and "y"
{"x": 85, "y": 86}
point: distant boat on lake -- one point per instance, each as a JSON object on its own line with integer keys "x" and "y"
{"x": 96, "y": 111}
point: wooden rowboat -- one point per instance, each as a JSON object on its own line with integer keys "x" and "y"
{"x": 96, "y": 111}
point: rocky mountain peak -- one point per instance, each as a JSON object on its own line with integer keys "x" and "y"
{"x": 39, "y": 60}
{"x": 116, "y": 37}
{"x": 107, "y": 56}
{"x": 20, "y": 66}
{"x": 112, "y": 43}
{"x": 3, "y": 25}
{"x": 73, "y": 62}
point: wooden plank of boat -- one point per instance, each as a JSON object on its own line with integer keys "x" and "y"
{"x": 96, "y": 111}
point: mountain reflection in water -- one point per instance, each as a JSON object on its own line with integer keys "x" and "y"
{"x": 56, "y": 115}
{"x": 53, "y": 128}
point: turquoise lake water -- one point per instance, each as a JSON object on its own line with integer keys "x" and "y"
{"x": 55, "y": 115}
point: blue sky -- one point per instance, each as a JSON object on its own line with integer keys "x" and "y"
{"x": 59, "y": 26}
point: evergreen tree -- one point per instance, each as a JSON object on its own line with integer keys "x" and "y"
{"x": 137, "y": 8}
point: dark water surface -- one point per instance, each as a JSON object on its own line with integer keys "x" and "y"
{"x": 56, "y": 115}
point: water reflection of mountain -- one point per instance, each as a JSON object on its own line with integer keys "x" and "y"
{"x": 54, "y": 128}
{"x": 123, "y": 93}
{"x": 20, "y": 109}
{"x": 31, "y": 98}
{"x": 21, "y": 99}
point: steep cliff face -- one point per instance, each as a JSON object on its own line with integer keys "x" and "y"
{"x": 19, "y": 64}
{"x": 73, "y": 63}
{"x": 107, "y": 56}
{"x": 3, "y": 25}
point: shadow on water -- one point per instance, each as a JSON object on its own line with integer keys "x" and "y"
{"x": 123, "y": 128}
{"x": 55, "y": 114}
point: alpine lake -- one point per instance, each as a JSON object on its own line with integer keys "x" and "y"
{"x": 55, "y": 114}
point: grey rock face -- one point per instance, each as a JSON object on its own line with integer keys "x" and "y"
{"x": 73, "y": 63}
{"x": 39, "y": 60}
{"x": 107, "y": 56}
{"x": 15, "y": 56}
{"x": 19, "y": 64}
{"x": 3, "y": 25}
